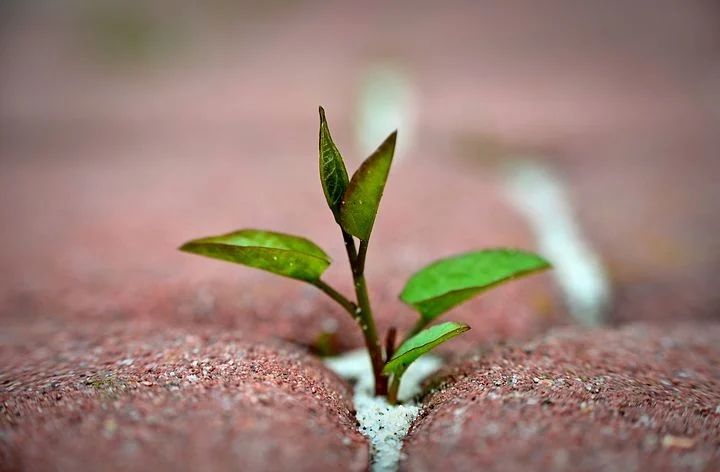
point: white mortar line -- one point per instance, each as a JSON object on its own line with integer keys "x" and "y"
{"x": 544, "y": 201}
{"x": 384, "y": 425}
{"x": 385, "y": 103}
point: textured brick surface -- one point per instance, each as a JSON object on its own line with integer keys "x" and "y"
{"x": 106, "y": 169}
{"x": 119, "y": 398}
{"x": 637, "y": 398}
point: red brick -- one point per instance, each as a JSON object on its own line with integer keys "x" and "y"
{"x": 651, "y": 212}
{"x": 116, "y": 398}
{"x": 636, "y": 398}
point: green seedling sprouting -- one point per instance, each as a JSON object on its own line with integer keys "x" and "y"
{"x": 354, "y": 203}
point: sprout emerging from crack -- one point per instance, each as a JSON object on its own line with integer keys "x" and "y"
{"x": 354, "y": 203}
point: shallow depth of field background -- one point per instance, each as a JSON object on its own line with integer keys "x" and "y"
{"x": 541, "y": 76}
{"x": 621, "y": 98}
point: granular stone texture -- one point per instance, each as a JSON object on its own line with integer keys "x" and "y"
{"x": 105, "y": 170}
{"x": 633, "y": 399}
{"x": 117, "y": 398}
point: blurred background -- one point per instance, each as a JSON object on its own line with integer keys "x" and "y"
{"x": 542, "y": 74}
{"x": 133, "y": 125}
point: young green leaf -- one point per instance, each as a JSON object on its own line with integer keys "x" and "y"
{"x": 362, "y": 197}
{"x": 448, "y": 282}
{"x": 421, "y": 343}
{"x": 333, "y": 174}
{"x": 279, "y": 253}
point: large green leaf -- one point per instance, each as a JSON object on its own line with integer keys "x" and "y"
{"x": 421, "y": 343}
{"x": 362, "y": 197}
{"x": 448, "y": 282}
{"x": 279, "y": 253}
{"x": 333, "y": 174}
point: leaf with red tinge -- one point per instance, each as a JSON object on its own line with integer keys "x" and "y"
{"x": 362, "y": 198}
{"x": 279, "y": 253}
{"x": 333, "y": 175}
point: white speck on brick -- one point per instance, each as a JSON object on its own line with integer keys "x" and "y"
{"x": 543, "y": 199}
{"x": 645, "y": 421}
{"x": 384, "y": 425}
{"x": 457, "y": 425}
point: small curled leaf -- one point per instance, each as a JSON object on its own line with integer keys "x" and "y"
{"x": 279, "y": 253}
{"x": 362, "y": 198}
{"x": 448, "y": 282}
{"x": 333, "y": 175}
{"x": 421, "y": 343}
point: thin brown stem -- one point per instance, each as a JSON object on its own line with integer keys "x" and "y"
{"x": 367, "y": 324}
{"x": 363, "y": 314}
{"x": 350, "y": 249}
{"x": 362, "y": 254}
{"x": 390, "y": 343}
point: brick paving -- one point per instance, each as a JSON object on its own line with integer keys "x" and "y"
{"x": 635, "y": 398}
{"x": 116, "y": 349}
{"x": 119, "y": 397}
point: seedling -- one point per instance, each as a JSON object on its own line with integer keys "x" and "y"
{"x": 354, "y": 203}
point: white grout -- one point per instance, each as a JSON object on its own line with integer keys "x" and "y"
{"x": 384, "y": 425}
{"x": 385, "y": 103}
{"x": 543, "y": 199}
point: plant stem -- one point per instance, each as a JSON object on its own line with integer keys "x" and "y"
{"x": 349, "y": 306}
{"x": 362, "y": 254}
{"x": 393, "y": 391}
{"x": 390, "y": 343}
{"x": 364, "y": 315}
{"x": 350, "y": 249}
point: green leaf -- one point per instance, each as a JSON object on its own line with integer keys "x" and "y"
{"x": 279, "y": 253}
{"x": 421, "y": 343}
{"x": 333, "y": 175}
{"x": 448, "y": 282}
{"x": 362, "y": 197}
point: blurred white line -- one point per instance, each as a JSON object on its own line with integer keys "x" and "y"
{"x": 542, "y": 198}
{"x": 385, "y": 103}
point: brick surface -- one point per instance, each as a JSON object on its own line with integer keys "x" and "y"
{"x": 637, "y": 398}
{"x": 650, "y": 211}
{"x": 105, "y": 170}
{"x": 107, "y": 396}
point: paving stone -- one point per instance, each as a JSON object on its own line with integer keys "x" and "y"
{"x": 97, "y": 192}
{"x": 117, "y": 398}
{"x": 635, "y": 398}
{"x": 650, "y": 210}
{"x": 644, "y": 204}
